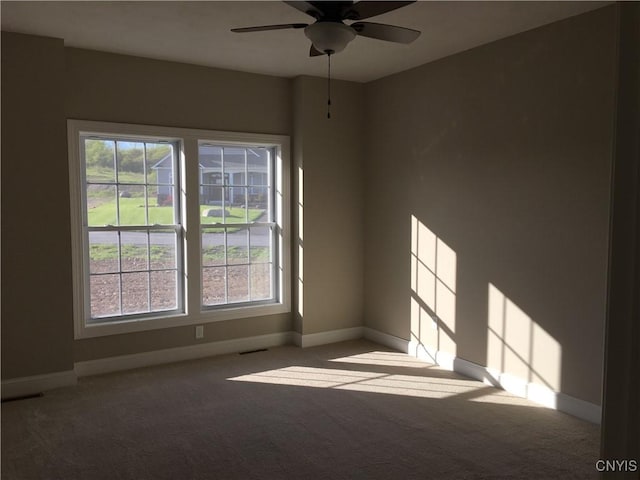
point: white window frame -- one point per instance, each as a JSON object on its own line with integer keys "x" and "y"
{"x": 193, "y": 313}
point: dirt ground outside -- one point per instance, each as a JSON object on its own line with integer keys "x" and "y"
{"x": 145, "y": 290}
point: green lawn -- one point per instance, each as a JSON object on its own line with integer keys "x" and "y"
{"x": 132, "y": 212}
{"x": 211, "y": 255}
{"x": 109, "y": 252}
{"x": 96, "y": 174}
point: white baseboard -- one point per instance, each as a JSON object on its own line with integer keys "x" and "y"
{"x": 537, "y": 393}
{"x": 170, "y": 355}
{"x": 23, "y": 386}
{"x": 330, "y": 336}
{"x": 387, "y": 340}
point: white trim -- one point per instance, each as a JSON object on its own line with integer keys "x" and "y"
{"x": 22, "y": 386}
{"x": 537, "y": 393}
{"x": 387, "y": 340}
{"x": 178, "y": 354}
{"x": 330, "y": 336}
{"x": 579, "y": 408}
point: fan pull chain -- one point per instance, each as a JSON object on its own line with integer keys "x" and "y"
{"x": 329, "y": 87}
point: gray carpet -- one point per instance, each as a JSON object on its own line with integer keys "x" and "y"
{"x": 352, "y": 410}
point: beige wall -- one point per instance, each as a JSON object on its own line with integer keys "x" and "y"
{"x": 489, "y": 171}
{"x": 44, "y": 83}
{"x": 37, "y": 326}
{"x": 120, "y": 88}
{"x": 328, "y": 170}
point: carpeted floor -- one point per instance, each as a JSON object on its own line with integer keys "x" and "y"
{"x": 352, "y": 410}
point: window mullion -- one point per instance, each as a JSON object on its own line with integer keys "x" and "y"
{"x": 149, "y": 269}
{"x": 226, "y": 267}
{"x": 246, "y": 186}
{"x": 117, "y": 171}
{"x": 146, "y": 183}
{"x": 249, "y": 270}
{"x": 120, "y": 272}
{"x": 224, "y": 185}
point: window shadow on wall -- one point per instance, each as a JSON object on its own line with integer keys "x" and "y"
{"x": 521, "y": 356}
{"x": 520, "y": 353}
{"x": 433, "y": 294}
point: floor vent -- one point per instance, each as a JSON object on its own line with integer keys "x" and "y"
{"x": 254, "y": 351}
{"x": 23, "y": 397}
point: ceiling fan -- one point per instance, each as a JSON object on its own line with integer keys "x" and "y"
{"x": 329, "y": 34}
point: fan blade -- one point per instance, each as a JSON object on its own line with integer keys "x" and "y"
{"x": 308, "y": 8}
{"x": 269, "y": 27}
{"x": 367, "y": 9}
{"x": 314, "y": 52}
{"x": 390, "y": 33}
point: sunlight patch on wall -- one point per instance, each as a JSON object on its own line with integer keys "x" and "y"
{"x": 300, "y": 281}
{"x": 433, "y": 285}
{"x": 300, "y": 243}
{"x": 520, "y": 349}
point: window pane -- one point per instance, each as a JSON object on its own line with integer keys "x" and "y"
{"x": 131, "y": 202}
{"x": 214, "y": 214}
{"x": 99, "y": 161}
{"x": 130, "y": 161}
{"x": 261, "y": 281}
{"x": 238, "y": 202}
{"x": 163, "y": 250}
{"x": 258, "y": 166}
{"x": 237, "y": 213}
{"x": 133, "y": 251}
{"x": 234, "y": 165}
{"x": 237, "y": 247}
{"x": 238, "y": 278}
{"x": 101, "y": 205}
{"x": 214, "y": 285}
{"x": 105, "y": 295}
{"x": 210, "y": 160}
{"x": 103, "y": 252}
{"x": 259, "y": 199}
{"x": 213, "y": 251}
{"x": 161, "y": 209}
{"x": 211, "y": 180}
{"x": 260, "y": 244}
{"x": 160, "y": 162}
{"x": 135, "y": 292}
{"x": 163, "y": 290}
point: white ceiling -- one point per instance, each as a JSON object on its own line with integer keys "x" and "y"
{"x": 198, "y": 32}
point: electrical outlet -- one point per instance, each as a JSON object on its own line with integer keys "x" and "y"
{"x": 199, "y": 331}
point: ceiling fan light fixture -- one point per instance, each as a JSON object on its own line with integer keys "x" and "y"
{"x": 329, "y": 37}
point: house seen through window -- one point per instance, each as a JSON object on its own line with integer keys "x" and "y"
{"x": 237, "y": 227}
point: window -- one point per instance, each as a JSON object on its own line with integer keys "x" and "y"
{"x": 237, "y": 227}
{"x": 133, "y": 227}
{"x": 137, "y": 190}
